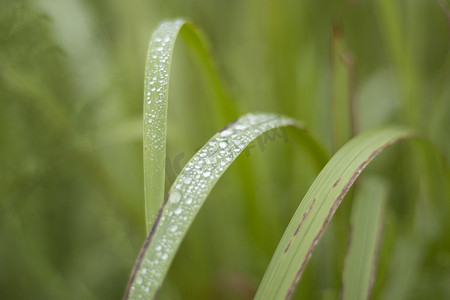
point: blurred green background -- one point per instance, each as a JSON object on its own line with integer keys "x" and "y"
{"x": 71, "y": 175}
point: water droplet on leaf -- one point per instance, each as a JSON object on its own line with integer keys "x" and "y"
{"x": 175, "y": 197}
{"x": 226, "y": 133}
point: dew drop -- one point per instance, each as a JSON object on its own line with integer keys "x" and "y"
{"x": 187, "y": 179}
{"x": 173, "y": 228}
{"x": 226, "y": 133}
{"x": 175, "y": 197}
{"x": 178, "y": 211}
{"x": 223, "y": 144}
{"x": 211, "y": 160}
{"x": 139, "y": 280}
{"x": 164, "y": 256}
{"x": 206, "y": 173}
{"x": 189, "y": 201}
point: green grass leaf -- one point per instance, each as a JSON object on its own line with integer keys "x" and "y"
{"x": 342, "y": 89}
{"x": 317, "y": 208}
{"x": 156, "y": 90}
{"x": 189, "y": 192}
{"x": 156, "y": 257}
{"x": 168, "y": 220}
{"x": 364, "y": 238}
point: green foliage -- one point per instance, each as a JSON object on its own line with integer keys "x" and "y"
{"x": 71, "y": 169}
{"x": 364, "y": 239}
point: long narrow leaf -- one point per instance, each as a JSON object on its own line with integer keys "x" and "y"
{"x": 363, "y": 241}
{"x": 317, "y": 208}
{"x": 156, "y": 88}
{"x": 188, "y": 193}
{"x": 342, "y": 89}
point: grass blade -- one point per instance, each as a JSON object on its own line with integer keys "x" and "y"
{"x": 365, "y": 232}
{"x": 392, "y": 23}
{"x": 156, "y": 91}
{"x": 316, "y": 209}
{"x": 342, "y": 89}
{"x": 187, "y": 195}
{"x": 156, "y": 88}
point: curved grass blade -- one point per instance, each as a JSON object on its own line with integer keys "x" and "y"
{"x": 317, "y": 208}
{"x": 188, "y": 193}
{"x": 364, "y": 238}
{"x": 156, "y": 88}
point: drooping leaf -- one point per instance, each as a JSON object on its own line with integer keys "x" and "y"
{"x": 317, "y": 208}
{"x": 189, "y": 192}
